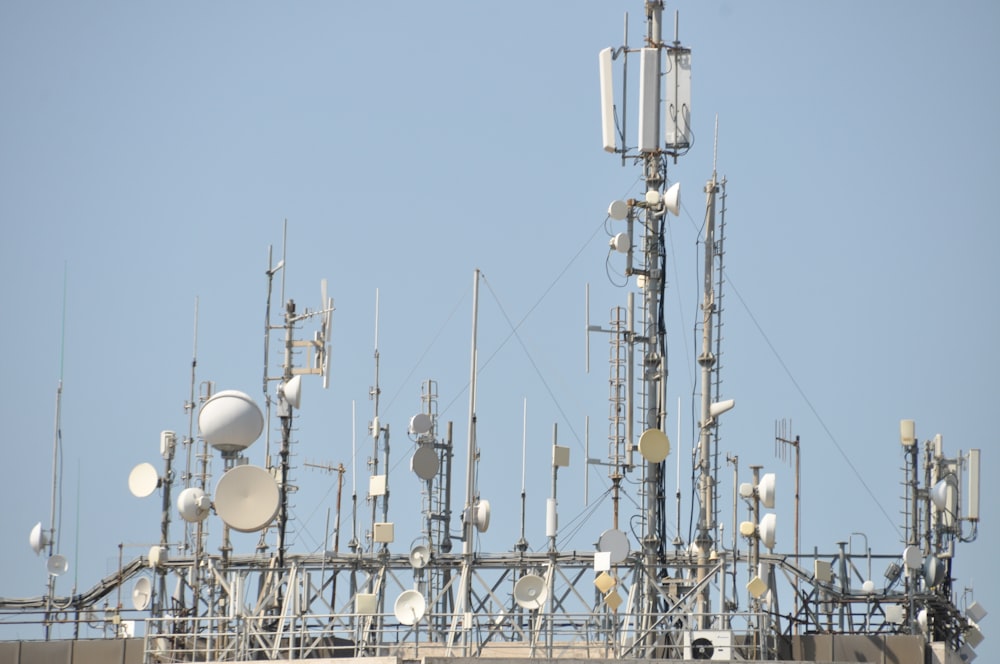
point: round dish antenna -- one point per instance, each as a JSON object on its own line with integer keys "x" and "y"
{"x": 672, "y": 198}
{"x": 230, "y": 421}
{"x": 142, "y": 593}
{"x": 409, "y": 607}
{"x": 481, "y": 515}
{"x": 618, "y": 210}
{"x": 143, "y": 480}
{"x": 767, "y": 528}
{"x": 425, "y": 462}
{"x": 292, "y": 391}
{"x": 621, "y": 243}
{"x": 615, "y": 542}
{"x": 419, "y": 556}
{"x": 247, "y": 498}
{"x": 766, "y": 490}
{"x": 57, "y": 565}
{"x": 530, "y": 592}
{"x": 193, "y": 504}
{"x": 157, "y": 556}
{"x": 654, "y": 446}
{"x": 420, "y": 424}
{"x": 39, "y": 539}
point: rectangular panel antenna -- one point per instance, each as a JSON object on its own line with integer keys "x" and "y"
{"x": 973, "y": 513}
{"x": 607, "y": 101}
{"x": 678, "y": 96}
{"x": 649, "y": 100}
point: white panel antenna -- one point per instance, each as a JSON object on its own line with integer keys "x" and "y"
{"x": 678, "y": 98}
{"x": 608, "y": 129}
{"x": 649, "y": 100}
{"x": 972, "y": 513}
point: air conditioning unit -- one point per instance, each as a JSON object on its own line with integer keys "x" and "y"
{"x": 708, "y": 645}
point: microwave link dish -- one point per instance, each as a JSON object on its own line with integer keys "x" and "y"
{"x": 230, "y": 421}
{"x": 39, "y": 539}
{"x": 420, "y": 424}
{"x": 614, "y": 542}
{"x": 419, "y": 556}
{"x": 292, "y": 391}
{"x": 425, "y": 462}
{"x": 530, "y": 592}
{"x": 142, "y": 593}
{"x": 193, "y": 504}
{"x": 143, "y": 480}
{"x": 654, "y": 446}
{"x": 57, "y": 565}
{"x": 247, "y": 498}
{"x": 409, "y": 607}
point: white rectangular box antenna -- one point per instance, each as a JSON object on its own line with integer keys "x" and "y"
{"x": 607, "y": 101}
{"x": 973, "y": 512}
{"x": 678, "y": 97}
{"x": 649, "y": 100}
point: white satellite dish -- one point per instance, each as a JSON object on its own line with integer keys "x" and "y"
{"x": 142, "y": 593}
{"x": 193, "y": 504}
{"x": 616, "y": 543}
{"x": 934, "y": 570}
{"x": 868, "y": 587}
{"x": 230, "y": 421}
{"x": 766, "y": 490}
{"x": 620, "y": 243}
{"x": 39, "y": 539}
{"x": 618, "y": 210}
{"x": 425, "y": 462}
{"x": 481, "y": 515}
{"x": 247, "y": 498}
{"x": 654, "y": 446}
{"x": 767, "y": 528}
{"x": 409, "y": 607}
{"x": 57, "y": 565}
{"x": 419, "y": 556}
{"x": 944, "y": 494}
{"x": 292, "y": 391}
{"x": 530, "y": 592}
{"x": 143, "y": 480}
{"x": 420, "y": 424}
{"x": 672, "y": 198}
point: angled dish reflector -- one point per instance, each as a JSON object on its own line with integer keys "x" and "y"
{"x": 142, "y": 593}
{"x": 143, "y": 480}
{"x": 419, "y": 556}
{"x": 621, "y": 243}
{"x": 292, "y": 391}
{"x": 38, "y": 538}
{"x": 230, "y": 421}
{"x": 481, "y": 515}
{"x": 409, "y": 607}
{"x": 768, "y": 525}
{"x": 766, "y": 490}
{"x": 247, "y": 498}
{"x": 425, "y": 462}
{"x": 193, "y": 504}
{"x": 530, "y": 592}
{"x": 618, "y": 210}
{"x": 672, "y": 201}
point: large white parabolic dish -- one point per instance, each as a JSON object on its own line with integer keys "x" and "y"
{"x": 409, "y": 607}
{"x": 247, "y": 498}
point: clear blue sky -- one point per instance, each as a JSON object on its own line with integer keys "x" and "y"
{"x": 151, "y": 152}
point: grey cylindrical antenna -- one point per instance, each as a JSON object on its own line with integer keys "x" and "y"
{"x": 468, "y": 527}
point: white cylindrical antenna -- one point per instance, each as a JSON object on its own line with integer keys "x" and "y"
{"x": 649, "y": 100}
{"x": 551, "y": 518}
{"x": 586, "y": 460}
{"x": 524, "y": 442}
{"x": 972, "y": 513}
{"x": 607, "y": 101}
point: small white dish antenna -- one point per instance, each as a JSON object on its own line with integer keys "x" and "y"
{"x": 420, "y": 424}
{"x": 57, "y": 565}
{"x": 618, "y": 210}
{"x": 409, "y": 607}
{"x": 672, "y": 199}
{"x": 425, "y": 462}
{"x": 621, "y": 243}
{"x": 912, "y": 558}
{"x": 247, "y": 498}
{"x": 767, "y": 528}
{"x": 868, "y": 587}
{"x": 142, "y": 593}
{"x": 419, "y": 556}
{"x": 292, "y": 391}
{"x": 143, "y": 480}
{"x": 766, "y": 490}
{"x": 230, "y": 421}
{"x": 530, "y": 592}
{"x": 654, "y": 446}
{"x": 653, "y": 197}
{"x": 934, "y": 571}
{"x": 944, "y": 494}
{"x": 481, "y": 515}
{"x": 39, "y": 539}
{"x": 614, "y": 542}
{"x": 193, "y": 504}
